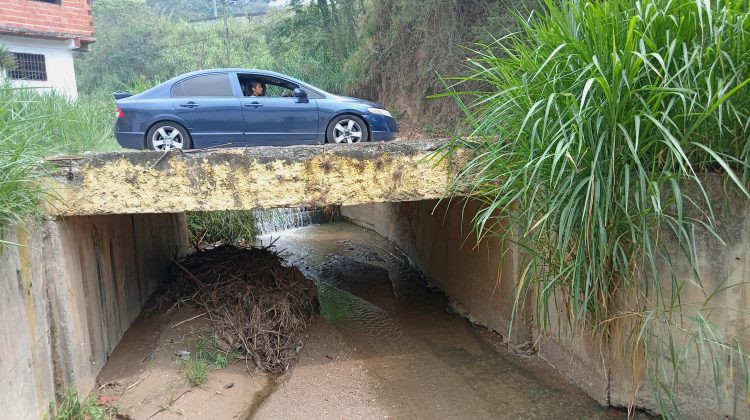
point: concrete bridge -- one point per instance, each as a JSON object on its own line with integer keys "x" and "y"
{"x": 249, "y": 178}
{"x": 116, "y": 221}
{"x": 80, "y": 278}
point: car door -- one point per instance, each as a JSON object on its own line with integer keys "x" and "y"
{"x": 210, "y": 109}
{"x": 280, "y": 120}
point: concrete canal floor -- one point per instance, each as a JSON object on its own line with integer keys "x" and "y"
{"x": 383, "y": 346}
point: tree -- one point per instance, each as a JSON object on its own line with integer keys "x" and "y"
{"x": 127, "y": 47}
{"x": 195, "y": 10}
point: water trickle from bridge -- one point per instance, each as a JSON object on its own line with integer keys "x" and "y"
{"x": 269, "y": 221}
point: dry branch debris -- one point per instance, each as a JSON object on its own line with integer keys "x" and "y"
{"x": 256, "y": 305}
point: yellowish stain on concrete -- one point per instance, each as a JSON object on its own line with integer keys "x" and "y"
{"x": 27, "y": 285}
{"x": 180, "y": 182}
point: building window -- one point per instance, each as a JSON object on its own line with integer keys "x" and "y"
{"x": 29, "y": 67}
{"x": 51, "y": 1}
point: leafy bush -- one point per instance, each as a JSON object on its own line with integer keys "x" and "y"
{"x": 7, "y": 61}
{"x": 136, "y": 44}
{"x": 592, "y": 127}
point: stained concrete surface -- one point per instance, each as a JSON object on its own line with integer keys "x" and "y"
{"x": 70, "y": 291}
{"x": 480, "y": 276}
{"x": 249, "y": 178}
{"x": 27, "y": 365}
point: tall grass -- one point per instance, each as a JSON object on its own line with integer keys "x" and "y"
{"x": 209, "y": 227}
{"x": 19, "y": 192}
{"x": 591, "y": 128}
{"x": 35, "y": 125}
{"x": 58, "y": 125}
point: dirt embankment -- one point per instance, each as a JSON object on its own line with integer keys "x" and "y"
{"x": 415, "y": 49}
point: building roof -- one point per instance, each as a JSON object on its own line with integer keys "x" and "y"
{"x": 71, "y": 19}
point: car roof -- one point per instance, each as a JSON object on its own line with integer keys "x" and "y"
{"x": 233, "y": 70}
{"x": 242, "y": 70}
{"x": 167, "y": 85}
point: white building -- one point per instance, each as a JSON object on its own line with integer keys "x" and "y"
{"x": 42, "y": 35}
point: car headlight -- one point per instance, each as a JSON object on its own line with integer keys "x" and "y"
{"x": 379, "y": 111}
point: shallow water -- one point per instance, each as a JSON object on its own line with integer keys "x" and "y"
{"x": 429, "y": 363}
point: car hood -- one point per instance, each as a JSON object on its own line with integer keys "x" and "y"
{"x": 359, "y": 101}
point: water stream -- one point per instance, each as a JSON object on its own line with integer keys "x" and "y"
{"x": 423, "y": 361}
{"x": 269, "y": 221}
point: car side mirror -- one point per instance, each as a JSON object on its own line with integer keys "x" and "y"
{"x": 300, "y": 93}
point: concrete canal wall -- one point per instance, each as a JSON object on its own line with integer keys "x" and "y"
{"x": 69, "y": 291}
{"x": 480, "y": 276}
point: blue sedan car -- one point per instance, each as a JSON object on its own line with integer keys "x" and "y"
{"x": 239, "y": 107}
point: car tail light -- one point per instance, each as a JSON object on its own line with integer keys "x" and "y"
{"x": 118, "y": 111}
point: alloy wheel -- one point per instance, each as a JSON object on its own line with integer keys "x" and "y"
{"x": 347, "y": 131}
{"x": 167, "y": 138}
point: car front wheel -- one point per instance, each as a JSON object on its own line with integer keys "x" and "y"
{"x": 347, "y": 129}
{"x": 168, "y": 135}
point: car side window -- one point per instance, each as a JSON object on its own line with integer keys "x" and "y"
{"x": 311, "y": 94}
{"x": 203, "y": 85}
{"x": 287, "y": 91}
{"x": 274, "y": 87}
{"x": 279, "y": 91}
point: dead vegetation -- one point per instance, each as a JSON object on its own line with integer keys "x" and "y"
{"x": 256, "y": 306}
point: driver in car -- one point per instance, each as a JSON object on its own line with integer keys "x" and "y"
{"x": 257, "y": 88}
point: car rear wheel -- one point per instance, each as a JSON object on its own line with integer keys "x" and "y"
{"x": 347, "y": 129}
{"x": 168, "y": 135}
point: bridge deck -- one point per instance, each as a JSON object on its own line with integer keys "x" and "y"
{"x": 248, "y": 178}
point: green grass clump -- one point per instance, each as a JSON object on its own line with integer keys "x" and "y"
{"x": 207, "y": 355}
{"x": 592, "y": 128}
{"x": 209, "y": 351}
{"x": 221, "y": 226}
{"x": 196, "y": 371}
{"x": 72, "y": 406}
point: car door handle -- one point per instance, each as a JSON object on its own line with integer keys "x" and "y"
{"x": 253, "y": 105}
{"x": 190, "y": 105}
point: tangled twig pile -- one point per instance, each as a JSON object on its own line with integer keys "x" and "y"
{"x": 256, "y": 306}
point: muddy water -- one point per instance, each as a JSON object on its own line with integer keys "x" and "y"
{"x": 392, "y": 349}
